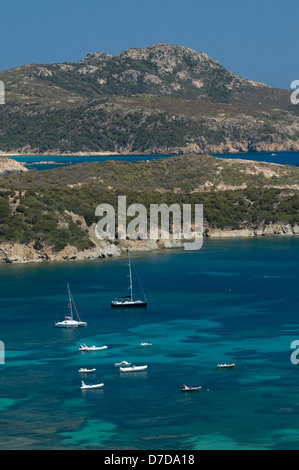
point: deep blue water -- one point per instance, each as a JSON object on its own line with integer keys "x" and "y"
{"x": 232, "y": 301}
{"x": 283, "y": 158}
{"x": 34, "y": 162}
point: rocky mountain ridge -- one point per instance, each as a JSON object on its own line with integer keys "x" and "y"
{"x": 160, "y": 99}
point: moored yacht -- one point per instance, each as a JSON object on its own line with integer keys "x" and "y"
{"x": 128, "y": 300}
{"x": 69, "y": 321}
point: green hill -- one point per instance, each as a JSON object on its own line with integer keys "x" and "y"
{"x": 53, "y": 209}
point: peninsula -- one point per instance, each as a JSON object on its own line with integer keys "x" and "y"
{"x": 49, "y": 215}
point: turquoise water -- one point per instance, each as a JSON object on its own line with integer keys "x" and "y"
{"x": 33, "y": 162}
{"x": 232, "y": 301}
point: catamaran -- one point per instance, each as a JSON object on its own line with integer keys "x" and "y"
{"x": 69, "y": 321}
{"x": 128, "y": 300}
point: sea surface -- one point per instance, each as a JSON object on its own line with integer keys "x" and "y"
{"x": 35, "y": 162}
{"x": 232, "y": 301}
{"x": 47, "y": 162}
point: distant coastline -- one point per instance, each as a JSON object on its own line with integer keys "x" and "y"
{"x": 55, "y": 154}
{"x": 45, "y": 162}
{"x": 145, "y": 154}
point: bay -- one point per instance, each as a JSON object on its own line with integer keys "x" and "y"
{"x": 282, "y": 158}
{"x": 35, "y": 162}
{"x": 232, "y": 301}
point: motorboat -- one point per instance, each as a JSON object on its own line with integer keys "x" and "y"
{"x": 83, "y": 347}
{"x": 128, "y": 301}
{"x": 132, "y": 368}
{"x": 186, "y": 388}
{"x": 86, "y": 371}
{"x": 145, "y": 344}
{"x": 84, "y": 386}
{"x": 225, "y": 366}
{"x": 122, "y": 363}
{"x": 69, "y": 321}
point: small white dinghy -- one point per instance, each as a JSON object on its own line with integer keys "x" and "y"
{"x": 187, "y": 388}
{"x": 132, "y": 369}
{"x": 86, "y": 371}
{"x": 225, "y": 366}
{"x": 122, "y": 363}
{"x": 84, "y": 386}
{"x": 83, "y": 347}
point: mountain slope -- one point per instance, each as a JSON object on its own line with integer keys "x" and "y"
{"x": 163, "y": 99}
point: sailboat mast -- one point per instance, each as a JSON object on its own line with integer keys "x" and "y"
{"x": 70, "y": 301}
{"x": 130, "y": 272}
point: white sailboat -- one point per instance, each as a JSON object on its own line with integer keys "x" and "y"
{"x": 69, "y": 321}
{"x": 128, "y": 300}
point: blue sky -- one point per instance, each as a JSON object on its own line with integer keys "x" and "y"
{"x": 257, "y": 39}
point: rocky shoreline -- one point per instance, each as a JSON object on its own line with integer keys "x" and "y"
{"x": 21, "y": 254}
{"x": 34, "y": 153}
{"x": 199, "y": 147}
{"x": 8, "y": 165}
